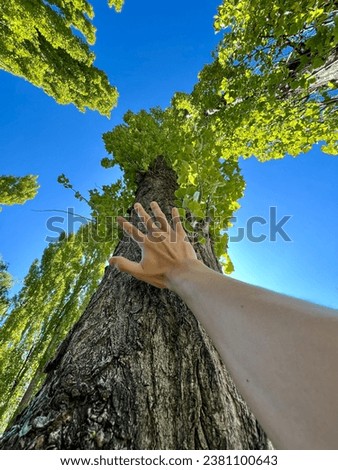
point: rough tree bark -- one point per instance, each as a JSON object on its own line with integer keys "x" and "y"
{"x": 327, "y": 72}
{"x": 137, "y": 371}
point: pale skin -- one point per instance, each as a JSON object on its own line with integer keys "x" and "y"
{"x": 282, "y": 352}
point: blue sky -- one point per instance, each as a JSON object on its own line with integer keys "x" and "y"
{"x": 149, "y": 51}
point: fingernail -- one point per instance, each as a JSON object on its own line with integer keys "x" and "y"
{"x": 112, "y": 262}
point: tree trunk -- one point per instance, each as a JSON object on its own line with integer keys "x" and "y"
{"x": 137, "y": 371}
{"x": 327, "y": 72}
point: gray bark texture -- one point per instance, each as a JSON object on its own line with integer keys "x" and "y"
{"x": 137, "y": 371}
{"x": 327, "y": 73}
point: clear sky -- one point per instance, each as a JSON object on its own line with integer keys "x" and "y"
{"x": 149, "y": 51}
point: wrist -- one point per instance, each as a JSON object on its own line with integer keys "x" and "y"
{"x": 177, "y": 277}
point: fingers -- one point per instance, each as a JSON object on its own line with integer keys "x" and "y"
{"x": 148, "y": 220}
{"x": 144, "y": 216}
{"x": 126, "y": 265}
{"x": 160, "y": 216}
{"x": 132, "y": 231}
{"x": 178, "y": 227}
{"x": 137, "y": 235}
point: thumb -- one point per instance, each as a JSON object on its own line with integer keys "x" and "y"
{"x": 125, "y": 265}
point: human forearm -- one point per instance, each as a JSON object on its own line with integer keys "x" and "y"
{"x": 281, "y": 352}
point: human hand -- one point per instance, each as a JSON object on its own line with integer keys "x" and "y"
{"x": 165, "y": 250}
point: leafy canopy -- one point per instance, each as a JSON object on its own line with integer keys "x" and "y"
{"x": 209, "y": 186}
{"x": 17, "y": 190}
{"x": 272, "y": 88}
{"x": 47, "y": 43}
{"x": 270, "y": 91}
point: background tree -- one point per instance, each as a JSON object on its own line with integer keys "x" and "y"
{"x": 112, "y": 381}
{"x": 55, "y": 291}
{"x": 39, "y": 41}
{"x": 17, "y": 190}
{"x": 47, "y": 43}
{"x": 5, "y": 285}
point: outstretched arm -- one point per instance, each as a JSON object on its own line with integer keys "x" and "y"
{"x": 282, "y": 352}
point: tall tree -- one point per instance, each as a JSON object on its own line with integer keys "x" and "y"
{"x": 129, "y": 375}
{"x": 138, "y": 371}
{"x": 17, "y": 190}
